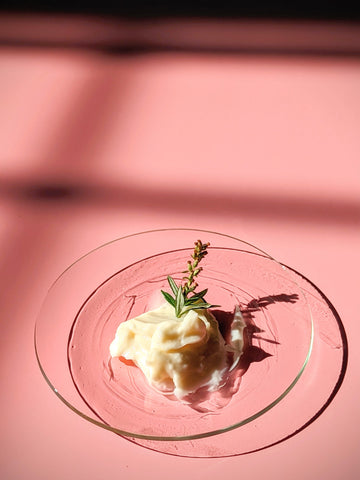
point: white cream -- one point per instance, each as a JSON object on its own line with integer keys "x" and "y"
{"x": 179, "y": 355}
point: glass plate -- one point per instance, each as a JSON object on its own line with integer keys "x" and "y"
{"x": 122, "y": 279}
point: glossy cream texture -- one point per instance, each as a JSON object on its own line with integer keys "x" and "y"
{"x": 178, "y": 355}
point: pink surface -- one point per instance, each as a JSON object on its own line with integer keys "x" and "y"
{"x": 265, "y": 148}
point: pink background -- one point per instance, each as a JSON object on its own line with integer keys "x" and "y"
{"x": 264, "y": 147}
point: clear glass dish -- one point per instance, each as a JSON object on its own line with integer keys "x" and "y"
{"x": 122, "y": 279}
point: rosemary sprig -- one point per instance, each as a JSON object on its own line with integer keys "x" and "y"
{"x": 181, "y": 301}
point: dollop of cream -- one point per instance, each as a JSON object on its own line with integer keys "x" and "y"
{"x": 179, "y": 355}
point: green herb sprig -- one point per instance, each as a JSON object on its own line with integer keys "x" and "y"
{"x": 181, "y": 301}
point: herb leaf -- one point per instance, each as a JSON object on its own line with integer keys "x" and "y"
{"x": 199, "y": 295}
{"x": 173, "y": 285}
{"x": 169, "y": 298}
{"x": 199, "y": 306}
{"x": 180, "y": 302}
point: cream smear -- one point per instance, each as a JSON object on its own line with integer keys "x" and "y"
{"x": 180, "y": 355}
